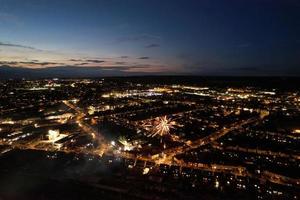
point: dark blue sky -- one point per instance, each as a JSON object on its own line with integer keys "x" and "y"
{"x": 205, "y": 37}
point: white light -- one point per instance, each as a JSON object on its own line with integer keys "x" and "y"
{"x": 113, "y": 143}
{"x": 217, "y": 184}
{"x": 146, "y": 170}
{"x": 53, "y": 134}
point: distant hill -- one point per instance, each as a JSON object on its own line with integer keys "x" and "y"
{"x": 7, "y": 72}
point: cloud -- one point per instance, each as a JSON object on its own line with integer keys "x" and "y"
{"x": 120, "y": 63}
{"x": 124, "y": 68}
{"x": 152, "y": 45}
{"x": 48, "y": 63}
{"x": 120, "y": 66}
{"x": 87, "y": 61}
{"x": 24, "y": 47}
{"x": 144, "y": 57}
{"x": 95, "y": 61}
{"x": 124, "y": 56}
{"x": 76, "y": 60}
{"x": 66, "y": 71}
{"x": 28, "y": 63}
{"x": 16, "y": 45}
{"x": 82, "y": 63}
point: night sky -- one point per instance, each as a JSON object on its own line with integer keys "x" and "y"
{"x": 201, "y": 37}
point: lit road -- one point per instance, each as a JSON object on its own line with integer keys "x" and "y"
{"x": 83, "y": 125}
{"x": 216, "y": 168}
{"x": 279, "y": 179}
{"x": 170, "y": 153}
{"x": 257, "y": 151}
